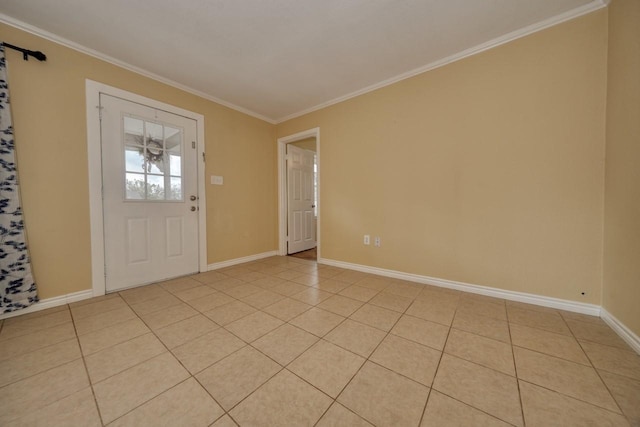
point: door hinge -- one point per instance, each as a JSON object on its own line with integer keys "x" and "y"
{"x": 193, "y": 144}
{"x": 100, "y": 108}
{"x": 204, "y": 159}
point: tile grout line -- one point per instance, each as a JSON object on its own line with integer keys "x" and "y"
{"x": 86, "y": 369}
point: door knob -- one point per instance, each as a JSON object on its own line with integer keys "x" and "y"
{"x": 192, "y": 198}
{"x": 193, "y": 208}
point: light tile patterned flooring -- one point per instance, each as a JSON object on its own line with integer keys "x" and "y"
{"x": 287, "y": 342}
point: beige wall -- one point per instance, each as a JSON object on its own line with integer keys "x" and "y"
{"x": 622, "y": 207}
{"x": 488, "y": 170}
{"x": 48, "y": 104}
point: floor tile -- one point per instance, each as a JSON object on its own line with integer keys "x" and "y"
{"x": 225, "y": 284}
{"x": 391, "y": 301}
{"x": 262, "y": 299}
{"x": 285, "y": 343}
{"x": 569, "y": 378}
{"x": 76, "y": 410}
{"x": 143, "y": 293}
{"x": 408, "y": 358}
{"x": 28, "y": 364}
{"x": 194, "y": 293}
{"x": 433, "y": 311}
{"x": 238, "y": 375}
{"x": 331, "y": 286}
{"x": 601, "y": 334}
{"x": 483, "y": 351}
{"x": 405, "y": 289}
{"x": 113, "y": 360}
{"x": 443, "y": 411}
{"x": 356, "y": 337}
{"x": 103, "y": 320}
{"x": 112, "y": 335}
{"x": 312, "y": 296}
{"x": 544, "y": 407}
{"x": 289, "y": 288}
{"x": 98, "y": 307}
{"x": 327, "y": 367}
{"x": 285, "y": 400}
{"x": 210, "y": 302}
{"x": 481, "y": 325}
{"x": 127, "y": 390}
{"x": 317, "y": 321}
{"x": 568, "y": 315}
{"x": 488, "y": 309}
{"x": 612, "y": 359}
{"x": 358, "y": 292}
{"x": 385, "y": 398}
{"x": 26, "y": 396}
{"x": 209, "y": 277}
{"x": 162, "y": 302}
{"x": 376, "y": 283}
{"x": 224, "y": 421}
{"x": 550, "y": 343}
{"x": 340, "y": 305}
{"x": 186, "y": 404}
{"x": 490, "y": 391}
{"x": 377, "y": 317}
{"x": 179, "y": 284}
{"x": 204, "y": 351}
{"x": 286, "y": 309}
{"x": 421, "y": 331}
{"x": 626, "y": 392}
{"x": 230, "y": 312}
{"x": 549, "y": 321}
{"x": 268, "y": 283}
{"x": 18, "y": 326}
{"x": 306, "y": 280}
{"x": 185, "y": 330}
{"x": 253, "y": 326}
{"x": 26, "y": 343}
{"x": 339, "y": 416}
{"x": 242, "y": 291}
{"x": 350, "y": 276}
{"x": 160, "y": 319}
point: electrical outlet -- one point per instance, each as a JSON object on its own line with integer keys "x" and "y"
{"x": 367, "y": 239}
{"x": 376, "y": 241}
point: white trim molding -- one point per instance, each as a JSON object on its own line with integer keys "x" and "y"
{"x": 50, "y": 303}
{"x": 561, "y": 304}
{"x": 621, "y": 329}
{"x": 282, "y": 186}
{"x": 93, "y": 91}
{"x": 236, "y": 261}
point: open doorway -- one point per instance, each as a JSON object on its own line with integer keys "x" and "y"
{"x": 298, "y": 188}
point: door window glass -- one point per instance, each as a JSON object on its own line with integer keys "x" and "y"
{"x": 153, "y": 160}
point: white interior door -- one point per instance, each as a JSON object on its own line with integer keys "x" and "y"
{"x": 300, "y": 190}
{"x": 149, "y": 175}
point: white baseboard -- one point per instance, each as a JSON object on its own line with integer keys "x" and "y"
{"x": 561, "y": 304}
{"x": 625, "y": 333}
{"x": 50, "y": 303}
{"x": 231, "y": 262}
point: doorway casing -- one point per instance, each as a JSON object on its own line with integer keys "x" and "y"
{"x": 93, "y": 91}
{"x": 282, "y": 185}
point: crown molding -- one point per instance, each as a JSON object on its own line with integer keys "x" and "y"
{"x": 514, "y": 35}
{"x": 106, "y": 58}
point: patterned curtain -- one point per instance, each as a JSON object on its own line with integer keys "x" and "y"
{"x": 17, "y": 288}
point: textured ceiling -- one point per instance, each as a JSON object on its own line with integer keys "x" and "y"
{"x": 278, "y": 58}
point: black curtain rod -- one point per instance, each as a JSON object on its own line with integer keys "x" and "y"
{"x": 26, "y": 53}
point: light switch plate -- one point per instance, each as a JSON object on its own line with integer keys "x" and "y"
{"x": 217, "y": 180}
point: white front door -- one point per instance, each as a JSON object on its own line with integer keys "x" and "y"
{"x": 300, "y": 190}
{"x": 149, "y": 178}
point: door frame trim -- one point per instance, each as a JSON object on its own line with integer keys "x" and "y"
{"x": 94, "y": 150}
{"x": 282, "y": 185}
